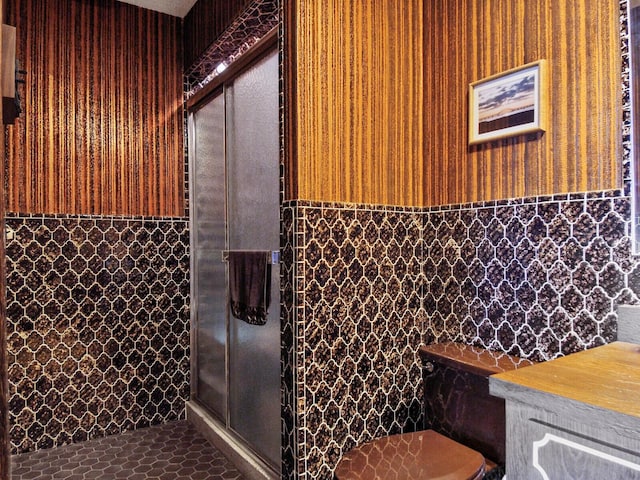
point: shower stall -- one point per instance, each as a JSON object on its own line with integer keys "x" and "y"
{"x": 234, "y": 185}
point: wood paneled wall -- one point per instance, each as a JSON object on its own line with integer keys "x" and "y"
{"x": 4, "y": 383}
{"x": 102, "y": 128}
{"x": 357, "y": 100}
{"x": 466, "y": 40}
{"x": 377, "y": 96}
{"x": 204, "y": 23}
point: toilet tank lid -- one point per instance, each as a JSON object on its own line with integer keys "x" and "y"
{"x": 476, "y": 360}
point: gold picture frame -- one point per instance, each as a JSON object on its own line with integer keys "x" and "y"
{"x": 508, "y": 104}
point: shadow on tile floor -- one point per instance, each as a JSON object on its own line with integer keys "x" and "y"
{"x": 166, "y": 452}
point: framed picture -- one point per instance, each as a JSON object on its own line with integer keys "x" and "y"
{"x": 508, "y": 104}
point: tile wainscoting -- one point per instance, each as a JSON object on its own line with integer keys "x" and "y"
{"x": 364, "y": 286}
{"x": 97, "y": 326}
{"x": 536, "y": 277}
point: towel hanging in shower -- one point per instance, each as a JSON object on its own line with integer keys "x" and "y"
{"x": 249, "y": 285}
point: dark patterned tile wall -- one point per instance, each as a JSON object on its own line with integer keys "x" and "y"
{"x": 536, "y": 277}
{"x": 626, "y": 96}
{"x": 98, "y": 326}
{"x": 288, "y": 365}
{"x": 355, "y": 328}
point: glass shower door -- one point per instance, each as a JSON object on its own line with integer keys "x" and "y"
{"x": 253, "y": 210}
{"x": 208, "y": 236}
{"x": 235, "y": 196}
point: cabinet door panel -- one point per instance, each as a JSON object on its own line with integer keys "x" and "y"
{"x": 547, "y": 446}
{"x": 568, "y": 456}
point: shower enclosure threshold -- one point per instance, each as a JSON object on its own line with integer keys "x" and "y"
{"x": 249, "y": 464}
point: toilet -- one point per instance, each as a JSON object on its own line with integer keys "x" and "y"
{"x": 464, "y": 436}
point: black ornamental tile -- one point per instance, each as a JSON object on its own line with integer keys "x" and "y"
{"x": 83, "y": 288}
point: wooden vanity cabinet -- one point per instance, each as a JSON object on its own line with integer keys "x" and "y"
{"x": 576, "y": 417}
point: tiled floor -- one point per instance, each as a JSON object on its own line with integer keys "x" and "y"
{"x": 175, "y": 451}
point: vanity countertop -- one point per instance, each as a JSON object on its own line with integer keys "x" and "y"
{"x": 606, "y": 377}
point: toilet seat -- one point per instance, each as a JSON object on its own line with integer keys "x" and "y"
{"x": 420, "y": 455}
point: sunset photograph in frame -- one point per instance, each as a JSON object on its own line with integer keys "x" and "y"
{"x": 507, "y": 104}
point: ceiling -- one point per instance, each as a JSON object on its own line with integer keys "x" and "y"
{"x": 177, "y": 8}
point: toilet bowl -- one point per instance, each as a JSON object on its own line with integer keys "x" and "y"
{"x": 464, "y": 425}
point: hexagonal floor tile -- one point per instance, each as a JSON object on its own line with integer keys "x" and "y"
{"x": 171, "y": 451}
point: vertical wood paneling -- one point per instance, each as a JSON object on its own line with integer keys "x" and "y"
{"x": 358, "y": 101}
{"x": 466, "y": 40}
{"x": 101, "y": 131}
{"x": 4, "y": 384}
{"x": 378, "y": 99}
{"x": 204, "y": 23}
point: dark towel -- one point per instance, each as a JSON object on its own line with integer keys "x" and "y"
{"x": 249, "y": 286}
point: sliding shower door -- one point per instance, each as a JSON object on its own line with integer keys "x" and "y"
{"x": 208, "y": 240}
{"x": 236, "y": 198}
{"x": 254, "y": 224}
